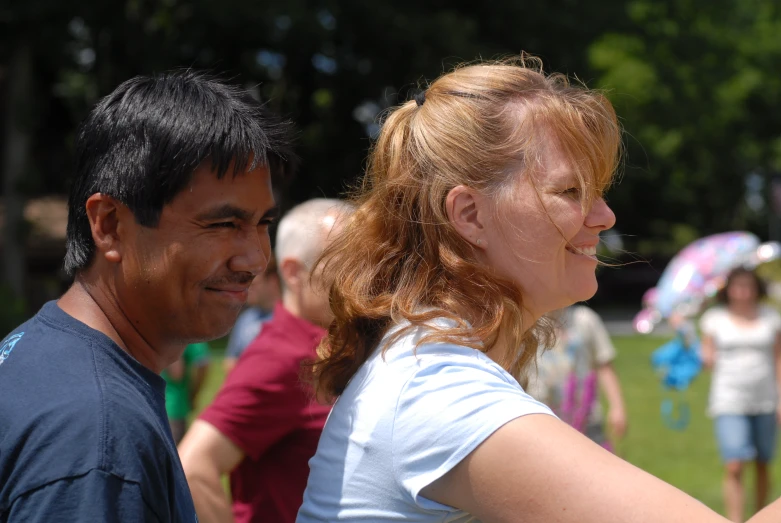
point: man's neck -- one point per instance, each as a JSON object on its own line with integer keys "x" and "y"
{"x": 290, "y": 303}
{"x": 92, "y": 304}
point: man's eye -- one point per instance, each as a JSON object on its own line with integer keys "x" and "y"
{"x": 223, "y": 225}
{"x": 266, "y": 222}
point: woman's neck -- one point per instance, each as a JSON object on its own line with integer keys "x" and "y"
{"x": 747, "y": 311}
{"x": 502, "y": 353}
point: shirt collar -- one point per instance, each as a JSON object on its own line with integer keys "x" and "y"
{"x": 282, "y": 315}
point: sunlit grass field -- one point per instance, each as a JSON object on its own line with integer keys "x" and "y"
{"x": 687, "y": 459}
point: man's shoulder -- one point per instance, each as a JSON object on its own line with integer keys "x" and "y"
{"x": 82, "y": 417}
{"x": 44, "y": 369}
{"x": 85, "y": 433}
{"x": 49, "y": 435}
{"x": 64, "y": 413}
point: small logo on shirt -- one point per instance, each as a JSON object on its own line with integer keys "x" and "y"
{"x": 8, "y": 346}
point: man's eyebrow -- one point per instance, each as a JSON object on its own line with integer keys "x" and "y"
{"x": 225, "y": 212}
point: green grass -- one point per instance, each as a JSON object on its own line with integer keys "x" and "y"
{"x": 688, "y": 459}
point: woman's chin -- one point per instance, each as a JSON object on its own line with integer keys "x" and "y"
{"x": 585, "y": 290}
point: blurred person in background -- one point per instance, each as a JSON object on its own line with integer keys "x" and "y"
{"x": 569, "y": 375}
{"x": 183, "y": 380}
{"x": 264, "y": 423}
{"x": 264, "y": 293}
{"x": 741, "y": 344}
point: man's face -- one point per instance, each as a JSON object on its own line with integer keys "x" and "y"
{"x": 187, "y": 279}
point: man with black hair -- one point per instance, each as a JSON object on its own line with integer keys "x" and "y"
{"x": 167, "y": 226}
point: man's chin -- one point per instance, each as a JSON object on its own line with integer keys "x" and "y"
{"x": 217, "y": 329}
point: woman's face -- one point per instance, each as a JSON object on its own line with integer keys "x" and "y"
{"x": 742, "y": 290}
{"x": 541, "y": 239}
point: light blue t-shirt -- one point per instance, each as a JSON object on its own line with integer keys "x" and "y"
{"x": 403, "y": 422}
{"x": 247, "y": 327}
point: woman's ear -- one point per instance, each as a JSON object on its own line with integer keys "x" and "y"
{"x": 466, "y": 211}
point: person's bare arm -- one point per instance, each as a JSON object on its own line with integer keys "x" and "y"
{"x": 206, "y": 456}
{"x": 770, "y": 514}
{"x": 228, "y": 363}
{"x": 777, "y": 352}
{"x": 708, "y": 351}
{"x": 616, "y": 416}
{"x": 536, "y": 469}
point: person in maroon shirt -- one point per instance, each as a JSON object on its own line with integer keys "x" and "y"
{"x": 264, "y": 424}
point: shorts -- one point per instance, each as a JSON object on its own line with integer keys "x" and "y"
{"x": 746, "y": 437}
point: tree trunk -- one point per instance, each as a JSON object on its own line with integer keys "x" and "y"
{"x": 18, "y": 130}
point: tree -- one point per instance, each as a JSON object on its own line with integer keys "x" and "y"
{"x": 696, "y": 84}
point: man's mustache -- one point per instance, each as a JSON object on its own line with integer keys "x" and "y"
{"x": 240, "y": 278}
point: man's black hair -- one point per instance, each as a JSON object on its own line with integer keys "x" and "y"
{"x": 142, "y": 143}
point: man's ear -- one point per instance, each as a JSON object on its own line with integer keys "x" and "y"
{"x": 292, "y": 273}
{"x": 103, "y": 213}
{"x": 466, "y": 212}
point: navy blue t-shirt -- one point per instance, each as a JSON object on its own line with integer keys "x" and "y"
{"x": 83, "y": 430}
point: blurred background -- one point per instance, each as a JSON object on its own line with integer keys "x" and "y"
{"x": 695, "y": 82}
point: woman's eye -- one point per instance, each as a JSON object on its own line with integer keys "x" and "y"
{"x": 572, "y": 191}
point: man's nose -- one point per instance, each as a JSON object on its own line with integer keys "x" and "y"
{"x": 254, "y": 253}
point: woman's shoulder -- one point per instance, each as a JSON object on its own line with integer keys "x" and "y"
{"x": 769, "y": 313}
{"x": 410, "y": 350}
{"x": 453, "y": 358}
{"x": 714, "y": 314}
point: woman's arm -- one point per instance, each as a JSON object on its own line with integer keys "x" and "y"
{"x": 708, "y": 351}
{"x": 770, "y": 514}
{"x": 777, "y": 352}
{"x": 537, "y": 469}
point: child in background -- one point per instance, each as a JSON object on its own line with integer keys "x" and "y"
{"x": 568, "y": 375}
{"x": 183, "y": 381}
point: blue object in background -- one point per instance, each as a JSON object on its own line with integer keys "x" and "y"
{"x": 678, "y": 363}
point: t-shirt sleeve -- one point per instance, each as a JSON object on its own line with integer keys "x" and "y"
{"x": 710, "y": 322}
{"x": 601, "y": 347}
{"x": 444, "y": 412}
{"x": 774, "y": 318}
{"x": 94, "y": 496}
{"x": 261, "y": 400}
{"x": 244, "y": 331}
